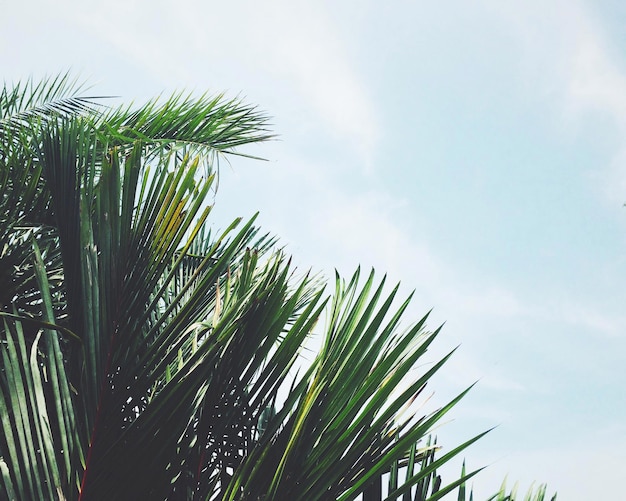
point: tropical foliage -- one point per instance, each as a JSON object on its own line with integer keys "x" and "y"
{"x": 146, "y": 355}
{"x": 429, "y": 485}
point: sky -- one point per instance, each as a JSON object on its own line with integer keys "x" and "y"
{"x": 474, "y": 151}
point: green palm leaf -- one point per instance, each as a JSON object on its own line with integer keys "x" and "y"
{"x": 146, "y": 355}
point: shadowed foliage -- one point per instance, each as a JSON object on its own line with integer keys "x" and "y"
{"x": 147, "y": 356}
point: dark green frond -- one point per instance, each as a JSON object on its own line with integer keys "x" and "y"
{"x": 147, "y": 355}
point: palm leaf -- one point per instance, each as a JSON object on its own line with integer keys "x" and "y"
{"x": 147, "y": 355}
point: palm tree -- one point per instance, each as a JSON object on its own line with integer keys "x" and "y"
{"x": 147, "y": 356}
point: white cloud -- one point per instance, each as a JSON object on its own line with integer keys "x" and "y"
{"x": 597, "y": 82}
{"x": 372, "y": 229}
{"x": 368, "y": 228}
{"x": 279, "y": 48}
{"x": 307, "y": 49}
{"x": 568, "y": 57}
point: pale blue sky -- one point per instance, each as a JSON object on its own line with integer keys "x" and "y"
{"x": 473, "y": 150}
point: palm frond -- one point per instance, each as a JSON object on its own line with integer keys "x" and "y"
{"x": 146, "y": 355}
{"x": 339, "y": 429}
{"x": 58, "y": 94}
{"x": 207, "y": 123}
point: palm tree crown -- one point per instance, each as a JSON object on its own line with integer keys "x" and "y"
{"x": 145, "y": 356}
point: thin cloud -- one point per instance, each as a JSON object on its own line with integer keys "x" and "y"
{"x": 569, "y": 58}
{"x": 307, "y": 48}
{"x": 372, "y": 228}
{"x": 294, "y": 47}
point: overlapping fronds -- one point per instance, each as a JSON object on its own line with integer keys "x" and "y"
{"x": 534, "y": 493}
{"x": 146, "y": 355}
{"x": 38, "y": 100}
{"x": 341, "y": 427}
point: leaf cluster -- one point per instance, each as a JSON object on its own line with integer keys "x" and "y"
{"x": 146, "y": 356}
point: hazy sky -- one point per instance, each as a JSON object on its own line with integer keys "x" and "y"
{"x": 476, "y": 151}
